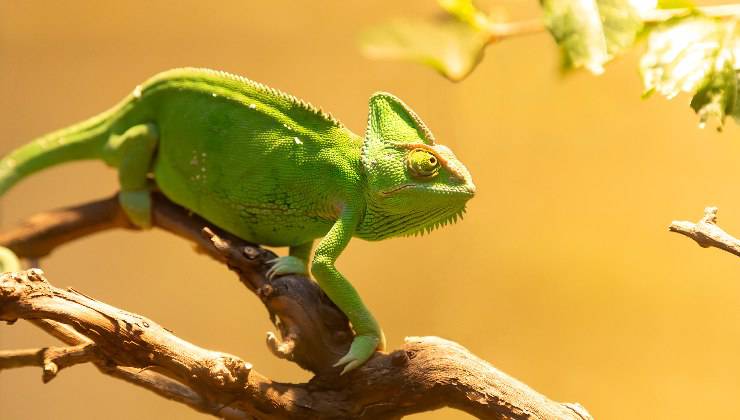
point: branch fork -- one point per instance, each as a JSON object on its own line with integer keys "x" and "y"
{"x": 706, "y": 233}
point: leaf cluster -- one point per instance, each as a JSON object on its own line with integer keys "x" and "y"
{"x": 686, "y": 49}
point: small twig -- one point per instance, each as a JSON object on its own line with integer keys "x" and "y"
{"x": 50, "y": 359}
{"x": 706, "y": 233}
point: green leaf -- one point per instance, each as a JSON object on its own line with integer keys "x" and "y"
{"x": 697, "y": 55}
{"x": 717, "y": 97}
{"x": 591, "y": 32}
{"x": 452, "y": 47}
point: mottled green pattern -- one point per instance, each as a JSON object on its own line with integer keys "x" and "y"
{"x": 271, "y": 169}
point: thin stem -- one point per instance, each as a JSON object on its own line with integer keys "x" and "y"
{"x": 503, "y": 30}
{"x": 500, "y": 31}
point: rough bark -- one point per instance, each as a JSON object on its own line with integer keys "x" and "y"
{"x": 424, "y": 374}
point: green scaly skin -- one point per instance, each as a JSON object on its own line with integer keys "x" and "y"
{"x": 271, "y": 169}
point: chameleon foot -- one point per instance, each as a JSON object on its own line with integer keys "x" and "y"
{"x": 138, "y": 207}
{"x": 363, "y": 346}
{"x": 286, "y": 265}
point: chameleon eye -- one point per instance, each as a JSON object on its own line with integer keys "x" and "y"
{"x": 422, "y": 164}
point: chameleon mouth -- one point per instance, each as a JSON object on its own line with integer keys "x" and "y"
{"x": 463, "y": 190}
{"x": 396, "y": 189}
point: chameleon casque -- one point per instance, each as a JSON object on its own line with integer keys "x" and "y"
{"x": 271, "y": 169}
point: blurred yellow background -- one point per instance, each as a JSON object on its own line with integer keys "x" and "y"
{"x": 563, "y": 273}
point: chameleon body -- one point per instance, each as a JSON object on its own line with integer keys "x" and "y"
{"x": 271, "y": 169}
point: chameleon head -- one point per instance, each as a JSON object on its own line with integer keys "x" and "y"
{"x": 413, "y": 184}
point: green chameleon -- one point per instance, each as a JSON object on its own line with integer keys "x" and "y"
{"x": 271, "y": 169}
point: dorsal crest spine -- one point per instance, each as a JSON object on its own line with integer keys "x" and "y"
{"x": 270, "y": 90}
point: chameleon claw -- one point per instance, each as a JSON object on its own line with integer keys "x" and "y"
{"x": 362, "y": 348}
{"x": 349, "y": 362}
{"x": 285, "y": 265}
{"x": 350, "y": 366}
{"x": 344, "y": 359}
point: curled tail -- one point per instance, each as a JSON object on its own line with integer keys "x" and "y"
{"x": 85, "y": 140}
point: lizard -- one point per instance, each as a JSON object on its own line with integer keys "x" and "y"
{"x": 271, "y": 169}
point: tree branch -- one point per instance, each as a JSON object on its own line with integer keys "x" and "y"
{"x": 424, "y": 374}
{"x": 706, "y": 233}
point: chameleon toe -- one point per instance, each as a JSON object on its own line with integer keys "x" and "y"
{"x": 362, "y": 348}
{"x": 286, "y": 265}
{"x": 137, "y": 205}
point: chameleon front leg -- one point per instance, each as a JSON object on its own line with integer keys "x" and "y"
{"x": 368, "y": 335}
{"x": 295, "y": 263}
{"x": 133, "y": 153}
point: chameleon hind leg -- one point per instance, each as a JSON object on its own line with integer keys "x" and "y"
{"x": 295, "y": 263}
{"x": 133, "y": 153}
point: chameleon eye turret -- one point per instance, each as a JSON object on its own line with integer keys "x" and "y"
{"x": 422, "y": 164}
